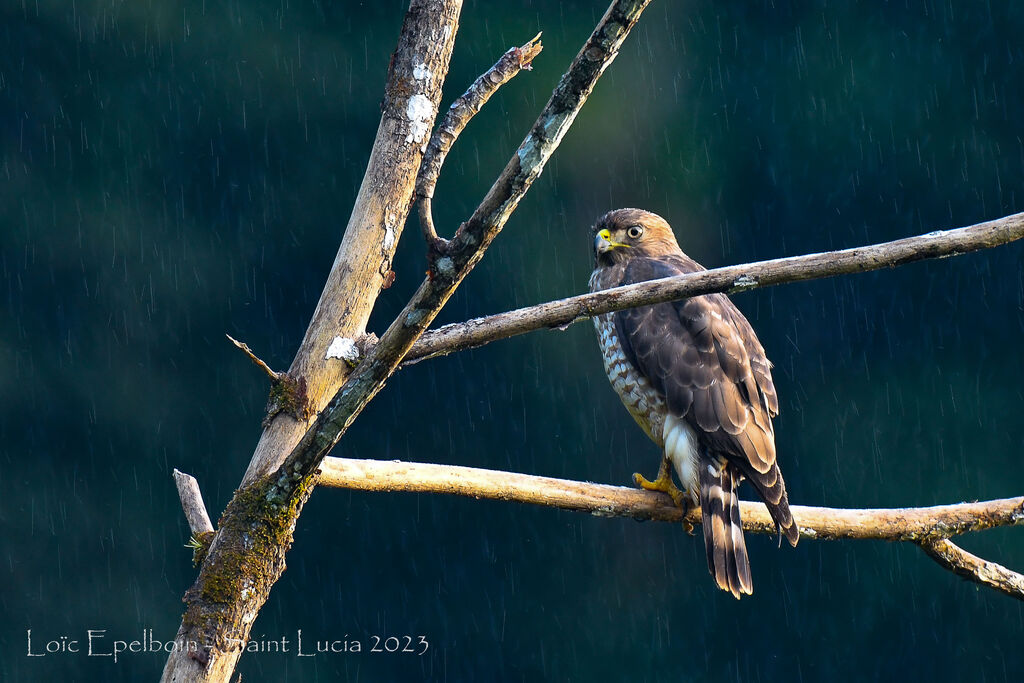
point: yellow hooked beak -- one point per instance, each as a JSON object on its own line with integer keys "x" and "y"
{"x": 603, "y": 242}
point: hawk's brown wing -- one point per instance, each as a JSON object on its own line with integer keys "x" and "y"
{"x": 703, "y": 356}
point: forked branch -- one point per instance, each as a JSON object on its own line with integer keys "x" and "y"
{"x": 459, "y": 114}
{"x": 466, "y": 249}
{"x": 928, "y": 527}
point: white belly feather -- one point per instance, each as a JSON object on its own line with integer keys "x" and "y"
{"x": 682, "y": 451}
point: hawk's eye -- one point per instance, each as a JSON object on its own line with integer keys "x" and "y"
{"x": 635, "y": 231}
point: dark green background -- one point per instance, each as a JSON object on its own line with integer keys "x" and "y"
{"x": 172, "y": 171}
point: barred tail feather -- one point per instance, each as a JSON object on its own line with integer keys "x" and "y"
{"x": 772, "y": 490}
{"x": 723, "y": 530}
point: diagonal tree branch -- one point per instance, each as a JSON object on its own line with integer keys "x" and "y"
{"x": 459, "y": 114}
{"x": 362, "y": 266}
{"x": 938, "y": 244}
{"x": 247, "y": 553}
{"x": 973, "y": 568}
{"x": 192, "y": 504}
{"x": 928, "y": 527}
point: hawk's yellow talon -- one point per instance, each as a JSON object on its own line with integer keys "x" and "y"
{"x": 663, "y": 483}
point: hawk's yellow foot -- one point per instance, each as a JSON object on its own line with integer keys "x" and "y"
{"x": 665, "y": 484}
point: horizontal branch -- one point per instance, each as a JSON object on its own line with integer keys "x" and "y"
{"x": 889, "y": 524}
{"x": 927, "y": 527}
{"x": 480, "y": 331}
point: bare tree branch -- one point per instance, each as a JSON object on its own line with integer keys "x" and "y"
{"x": 274, "y": 375}
{"x": 192, "y": 504}
{"x": 461, "y": 111}
{"x": 939, "y": 244}
{"x": 928, "y": 527}
{"x": 888, "y": 524}
{"x": 973, "y": 568}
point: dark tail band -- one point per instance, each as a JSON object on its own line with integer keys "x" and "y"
{"x": 772, "y": 490}
{"x": 723, "y": 530}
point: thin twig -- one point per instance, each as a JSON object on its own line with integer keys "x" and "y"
{"x": 939, "y": 244}
{"x": 927, "y": 527}
{"x": 973, "y": 568}
{"x": 461, "y": 111}
{"x": 192, "y": 503}
{"x": 274, "y": 376}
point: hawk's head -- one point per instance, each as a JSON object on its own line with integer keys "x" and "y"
{"x": 624, "y": 233}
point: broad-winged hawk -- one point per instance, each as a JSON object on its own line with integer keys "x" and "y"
{"x": 694, "y": 376}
